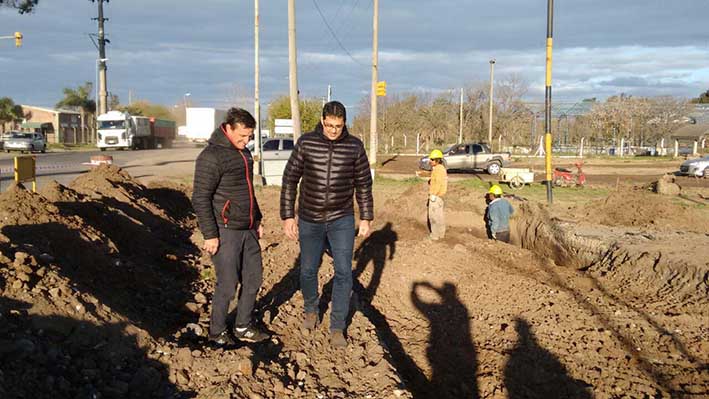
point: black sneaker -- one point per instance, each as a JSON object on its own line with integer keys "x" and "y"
{"x": 222, "y": 339}
{"x": 250, "y": 334}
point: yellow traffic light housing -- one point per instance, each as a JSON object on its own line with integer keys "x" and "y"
{"x": 381, "y": 88}
{"x": 18, "y": 39}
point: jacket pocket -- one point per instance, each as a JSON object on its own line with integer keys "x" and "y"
{"x": 225, "y": 212}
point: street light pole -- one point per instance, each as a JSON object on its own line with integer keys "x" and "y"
{"x": 492, "y": 87}
{"x": 375, "y": 77}
{"x": 547, "y": 101}
{"x": 257, "y": 101}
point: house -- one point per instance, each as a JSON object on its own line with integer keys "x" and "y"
{"x": 58, "y": 125}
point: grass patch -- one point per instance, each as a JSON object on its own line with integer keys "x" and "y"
{"x": 379, "y": 180}
{"x": 538, "y": 192}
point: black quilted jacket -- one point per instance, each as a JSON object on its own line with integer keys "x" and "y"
{"x": 330, "y": 173}
{"x": 223, "y": 188}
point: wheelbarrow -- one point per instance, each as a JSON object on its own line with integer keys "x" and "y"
{"x": 516, "y": 178}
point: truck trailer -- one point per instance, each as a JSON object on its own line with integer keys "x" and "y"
{"x": 201, "y": 122}
{"x": 121, "y": 130}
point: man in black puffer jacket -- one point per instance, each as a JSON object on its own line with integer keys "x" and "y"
{"x": 230, "y": 220}
{"x": 332, "y": 167}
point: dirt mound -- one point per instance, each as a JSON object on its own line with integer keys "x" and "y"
{"x": 640, "y": 208}
{"x": 20, "y": 206}
{"x": 105, "y": 294}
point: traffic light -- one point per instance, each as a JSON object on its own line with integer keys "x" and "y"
{"x": 381, "y": 88}
{"x": 18, "y": 39}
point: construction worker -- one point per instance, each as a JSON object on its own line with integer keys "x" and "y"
{"x": 437, "y": 186}
{"x": 497, "y": 215}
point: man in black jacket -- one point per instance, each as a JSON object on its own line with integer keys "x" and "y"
{"x": 230, "y": 220}
{"x": 332, "y": 167}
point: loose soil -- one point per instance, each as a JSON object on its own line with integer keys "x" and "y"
{"x": 105, "y": 294}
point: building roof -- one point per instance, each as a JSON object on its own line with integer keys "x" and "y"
{"x": 692, "y": 132}
{"x": 52, "y": 110}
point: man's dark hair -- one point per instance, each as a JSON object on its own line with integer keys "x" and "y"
{"x": 240, "y": 115}
{"x": 334, "y": 108}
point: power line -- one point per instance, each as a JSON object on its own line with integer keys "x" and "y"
{"x": 329, "y": 28}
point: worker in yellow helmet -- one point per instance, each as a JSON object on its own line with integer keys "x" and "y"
{"x": 437, "y": 187}
{"x": 497, "y": 215}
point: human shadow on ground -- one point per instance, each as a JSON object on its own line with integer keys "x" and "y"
{"x": 663, "y": 375}
{"x": 52, "y": 356}
{"x": 451, "y": 352}
{"x": 534, "y": 372}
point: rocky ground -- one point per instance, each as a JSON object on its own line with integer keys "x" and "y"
{"x": 105, "y": 293}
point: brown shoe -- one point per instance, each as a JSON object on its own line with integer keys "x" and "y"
{"x": 310, "y": 321}
{"x": 337, "y": 339}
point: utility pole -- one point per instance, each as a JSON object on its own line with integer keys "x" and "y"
{"x": 460, "y": 129}
{"x": 547, "y": 100}
{"x": 102, "y": 84}
{"x": 257, "y": 103}
{"x": 375, "y": 78}
{"x": 329, "y": 93}
{"x": 293, "y": 71}
{"x": 492, "y": 88}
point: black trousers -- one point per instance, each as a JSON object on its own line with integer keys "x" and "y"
{"x": 238, "y": 261}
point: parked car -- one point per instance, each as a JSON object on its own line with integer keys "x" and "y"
{"x": 277, "y": 149}
{"x": 30, "y": 142}
{"x": 7, "y": 136}
{"x": 470, "y": 156}
{"x": 695, "y": 167}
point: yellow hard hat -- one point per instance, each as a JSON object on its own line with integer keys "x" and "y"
{"x": 436, "y": 154}
{"x": 495, "y": 189}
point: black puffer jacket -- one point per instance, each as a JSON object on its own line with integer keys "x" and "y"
{"x": 332, "y": 172}
{"x": 223, "y": 188}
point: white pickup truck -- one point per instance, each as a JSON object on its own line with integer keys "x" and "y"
{"x": 471, "y": 156}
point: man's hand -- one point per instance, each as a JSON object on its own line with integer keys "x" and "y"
{"x": 260, "y": 231}
{"x": 211, "y": 245}
{"x": 290, "y": 227}
{"x": 364, "y": 228}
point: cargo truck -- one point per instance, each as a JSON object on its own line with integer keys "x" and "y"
{"x": 201, "y": 122}
{"x": 121, "y": 130}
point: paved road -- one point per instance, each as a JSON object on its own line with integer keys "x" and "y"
{"x": 146, "y": 165}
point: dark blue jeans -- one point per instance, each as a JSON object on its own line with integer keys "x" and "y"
{"x": 340, "y": 234}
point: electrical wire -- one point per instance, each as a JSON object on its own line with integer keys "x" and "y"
{"x": 332, "y": 32}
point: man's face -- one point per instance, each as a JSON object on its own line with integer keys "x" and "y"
{"x": 332, "y": 126}
{"x": 239, "y": 135}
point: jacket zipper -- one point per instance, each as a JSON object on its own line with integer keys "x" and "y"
{"x": 224, "y": 210}
{"x": 251, "y": 193}
{"x": 329, "y": 167}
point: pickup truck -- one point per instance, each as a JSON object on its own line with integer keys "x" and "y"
{"x": 470, "y": 156}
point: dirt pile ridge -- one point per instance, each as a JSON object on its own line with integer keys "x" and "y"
{"x": 105, "y": 294}
{"x": 640, "y": 208}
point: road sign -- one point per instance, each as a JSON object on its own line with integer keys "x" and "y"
{"x": 25, "y": 170}
{"x": 284, "y": 130}
{"x": 284, "y": 122}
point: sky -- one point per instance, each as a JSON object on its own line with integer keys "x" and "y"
{"x": 160, "y": 50}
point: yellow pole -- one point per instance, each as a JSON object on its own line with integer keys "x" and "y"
{"x": 547, "y": 101}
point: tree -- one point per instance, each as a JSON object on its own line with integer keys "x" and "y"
{"x": 702, "y": 99}
{"x": 9, "y": 112}
{"x": 22, "y": 6}
{"x": 310, "y": 112}
{"x": 80, "y": 98}
{"x": 146, "y": 108}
